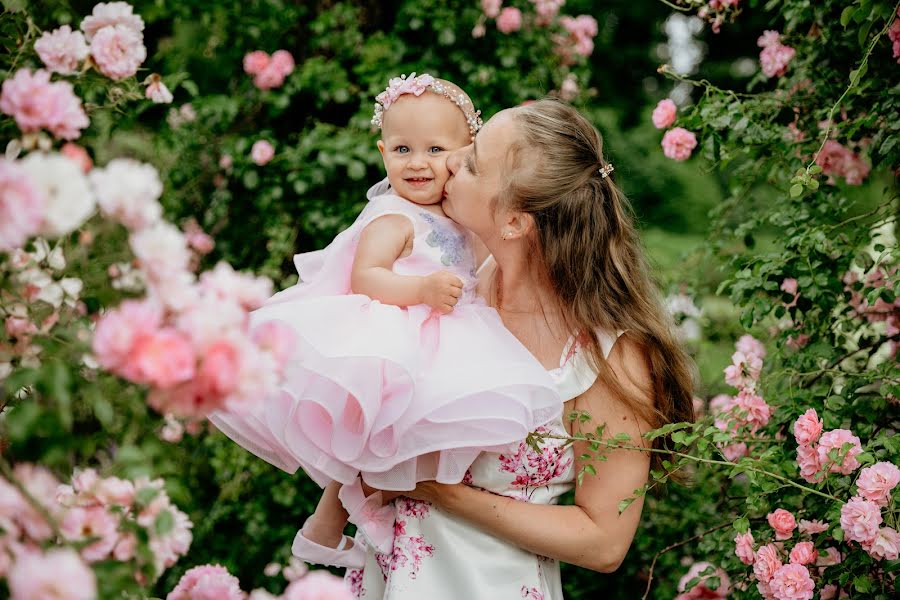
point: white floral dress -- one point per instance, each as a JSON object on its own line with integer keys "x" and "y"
{"x": 438, "y": 557}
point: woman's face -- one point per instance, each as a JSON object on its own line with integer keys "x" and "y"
{"x": 476, "y": 174}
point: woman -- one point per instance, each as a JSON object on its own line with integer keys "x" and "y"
{"x": 567, "y": 275}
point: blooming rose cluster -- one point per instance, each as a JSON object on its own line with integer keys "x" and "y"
{"x": 775, "y": 56}
{"x": 677, "y": 143}
{"x": 116, "y": 38}
{"x": 747, "y": 411}
{"x": 861, "y": 517}
{"x": 268, "y": 71}
{"x": 716, "y": 11}
{"x": 840, "y": 161}
{"x": 579, "y": 38}
{"x": 104, "y": 510}
{"x": 36, "y": 103}
{"x": 700, "y": 590}
{"x": 820, "y": 453}
{"x": 214, "y": 582}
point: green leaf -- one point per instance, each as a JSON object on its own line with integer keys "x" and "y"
{"x": 847, "y": 15}
{"x": 624, "y": 504}
{"x": 862, "y": 583}
{"x": 164, "y": 523}
{"x": 796, "y": 190}
{"x": 742, "y": 524}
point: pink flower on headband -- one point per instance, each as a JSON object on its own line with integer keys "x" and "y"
{"x": 398, "y": 86}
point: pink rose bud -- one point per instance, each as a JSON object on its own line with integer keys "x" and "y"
{"x": 262, "y": 152}
{"x": 804, "y": 553}
{"x": 255, "y": 62}
{"x": 808, "y": 428}
{"x": 664, "y": 114}
{"x": 509, "y": 20}
{"x": 678, "y": 144}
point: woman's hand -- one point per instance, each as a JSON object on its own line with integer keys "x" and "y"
{"x": 428, "y": 491}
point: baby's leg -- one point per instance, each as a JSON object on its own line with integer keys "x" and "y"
{"x": 326, "y": 525}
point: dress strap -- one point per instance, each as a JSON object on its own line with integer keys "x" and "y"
{"x": 487, "y": 261}
{"x": 575, "y": 374}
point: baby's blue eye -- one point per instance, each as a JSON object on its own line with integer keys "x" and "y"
{"x": 435, "y": 149}
{"x": 402, "y": 149}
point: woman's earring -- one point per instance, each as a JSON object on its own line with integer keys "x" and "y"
{"x": 504, "y": 236}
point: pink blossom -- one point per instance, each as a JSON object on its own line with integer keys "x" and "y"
{"x": 783, "y": 522}
{"x": 678, "y": 144}
{"x": 835, "y": 159}
{"x": 36, "y": 104}
{"x": 125, "y": 548}
{"x": 16, "y": 514}
{"x": 768, "y": 38}
{"x": 118, "y": 51}
{"x": 774, "y": 59}
{"x": 119, "y": 329}
{"x": 110, "y": 14}
{"x": 318, "y": 585}
{"x": 283, "y": 61}
{"x": 835, "y": 440}
{"x": 83, "y": 523}
{"x": 885, "y": 546}
{"x": 477, "y": 32}
{"x": 218, "y": 374}
{"x": 162, "y": 358}
{"x": 270, "y": 77}
{"x": 860, "y": 520}
{"x": 749, "y": 345}
{"x": 811, "y": 527}
{"x": 894, "y": 35}
{"x": 720, "y": 403}
{"x": 700, "y": 589}
{"x": 743, "y": 547}
{"x": 255, "y": 62}
{"x": 808, "y": 461}
{"x": 830, "y": 557}
{"x": 792, "y": 582}
{"x": 546, "y": 10}
{"x": 766, "y": 563}
{"x": 20, "y": 327}
{"x": 200, "y": 241}
{"x": 207, "y": 582}
{"x": 491, "y": 8}
{"x": 808, "y": 428}
{"x": 61, "y": 50}
{"x": 115, "y": 491}
{"x": 876, "y": 482}
{"x": 60, "y": 574}
{"x": 161, "y": 250}
{"x": 828, "y": 592}
{"x": 797, "y": 341}
{"x": 78, "y": 154}
{"x": 21, "y": 206}
{"x": 752, "y": 409}
{"x": 225, "y": 283}
{"x": 664, "y": 114}
{"x": 804, "y": 553}
{"x": 789, "y": 285}
{"x": 128, "y": 191}
{"x": 509, "y": 20}
{"x": 734, "y": 452}
{"x": 262, "y": 152}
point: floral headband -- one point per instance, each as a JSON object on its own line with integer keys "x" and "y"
{"x": 417, "y": 86}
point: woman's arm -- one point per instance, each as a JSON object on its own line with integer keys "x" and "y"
{"x": 591, "y": 533}
{"x": 381, "y": 243}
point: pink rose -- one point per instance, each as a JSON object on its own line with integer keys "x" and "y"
{"x": 720, "y": 403}
{"x": 734, "y": 452}
{"x": 860, "y": 520}
{"x": 808, "y": 461}
{"x": 59, "y": 574}
{"x": 491, "y": 8}
{"x": 219, "y": 369}
{"x": 582, "y": 30}
{"x": 807, "y": 428}
{"x": 262, "y": 152}
{"x": 509, "y": 20}
{"x": 700, "y": 590}
{"x": 36, "y": 104}
{"x": 678, "y": 144}
{"x": 804, "y": 553}
{"x": 774, "y": 59}
{"x": 269, "y": 78}
{"x": 876, "y": 482}
{"x": 835, "y": 159}
{"x": 78, "y": 154}
{"x": 107, "y": 14}
{"x": 318, "y": 585}
{"x": 118, "y": 51}
{"x": 830, "y": 558}
{"x": 811, "y": 527}
{"x": 21, "y": 206}
{"x": 749, "y": 345}
{"x": 768, "y": 38}
{"x": 61, "y": 50}
{"x": 885, "y": 545}
{"x": 157, "y": 91}
{"x": 207, "y": 582}
{"x": 782, "y": 522}
{"x": 792, "y": 582}
{"x": 118, "y": 330}
{"x": 743, "y": 548}
{"x": 113, "y": 490}
{"x": 163, "y": 358}
{"x": 754, "y": 410}
{"x": 255, "y": 62}
{"x": 766, "y": 563}
{"x": 835, "y": 440}
{"x": 664, "y": 114}
{"x": 83, "y": 523}
{"x": 283, "y": 61}
{"x": 125, "y": 548}
{"x": 789, "y": 286}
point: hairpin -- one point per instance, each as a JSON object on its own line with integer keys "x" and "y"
{"x": 605, "y": 170}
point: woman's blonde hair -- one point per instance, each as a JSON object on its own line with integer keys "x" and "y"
{"x": 591, "y": 253}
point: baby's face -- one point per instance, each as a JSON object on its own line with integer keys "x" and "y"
{"x": 417, "y": 134}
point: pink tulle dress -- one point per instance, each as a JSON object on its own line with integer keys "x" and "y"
{"x": 397, "y": 395}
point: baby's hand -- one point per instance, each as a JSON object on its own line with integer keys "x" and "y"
{"x": 441, "y": 291}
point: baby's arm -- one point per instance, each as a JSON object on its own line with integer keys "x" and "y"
{"x": 326, "y": 526}
{"x": 381, "y": 243}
